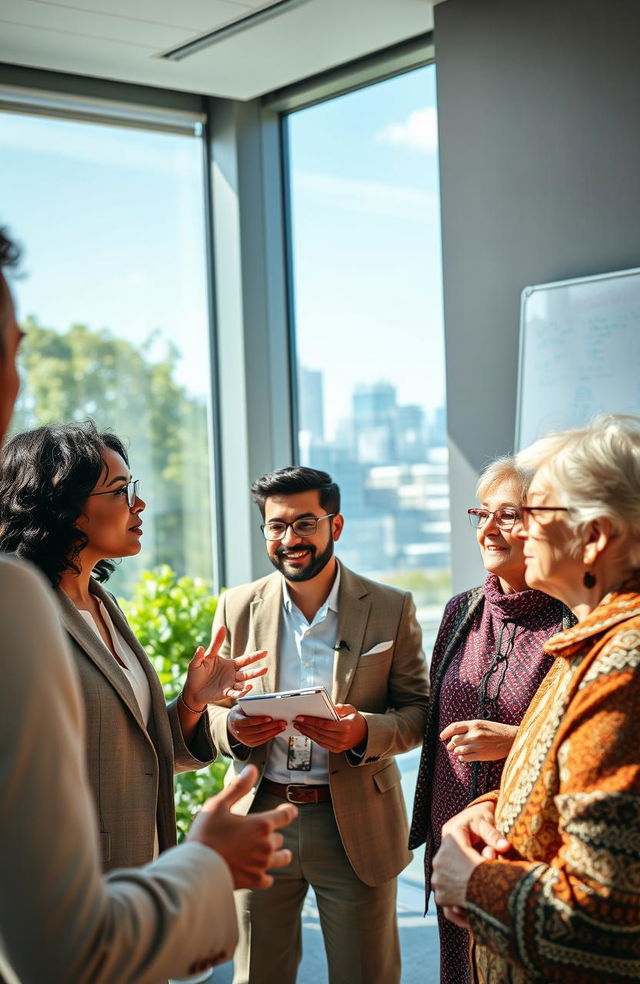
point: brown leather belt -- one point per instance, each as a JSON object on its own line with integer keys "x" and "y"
{"x": 297, "y": 792}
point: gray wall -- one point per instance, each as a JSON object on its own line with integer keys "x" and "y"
{"x": 539, "y": 109}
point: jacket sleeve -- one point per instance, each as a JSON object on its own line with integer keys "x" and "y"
{"x": 402, "y": 727}
{"x": 419, "y": 831}
{"x": 577, "y": 914}
{"x": 202, "y": 750}
{"x": 219, "y": 712}
{"x": 60, "y": 919}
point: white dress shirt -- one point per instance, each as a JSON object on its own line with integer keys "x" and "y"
{"x": 130, "y": 663}
{"x": 306, "y": 658}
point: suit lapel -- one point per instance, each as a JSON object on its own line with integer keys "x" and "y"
{"x": 354, "y": 605}
{"x": 264, "y": 630}
{"x": 131, "y": 639}
{"x": 93, "y": 646}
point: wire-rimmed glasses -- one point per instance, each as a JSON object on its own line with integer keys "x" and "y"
{"x": 131, "y": 489}
{"x": 505, "y": 517}
{"x": 304, "y": 527}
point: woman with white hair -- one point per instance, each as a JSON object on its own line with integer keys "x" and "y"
{"x": 487, "y": 664}
{"x": 546, "y": 871}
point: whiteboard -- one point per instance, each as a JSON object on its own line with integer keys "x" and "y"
{"x": 579, "y": 352}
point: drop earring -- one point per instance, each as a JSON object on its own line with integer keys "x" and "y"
{"x": 589, "y": 579}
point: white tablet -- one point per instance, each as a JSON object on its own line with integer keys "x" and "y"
{"x": 288, "y": 704}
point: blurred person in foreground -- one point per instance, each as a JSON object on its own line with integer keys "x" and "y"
{"x": 70, "y": 506}
{"x": 487, "y": 664}
{"x": 60, "y": 919}
{"x": 546, "y": 871}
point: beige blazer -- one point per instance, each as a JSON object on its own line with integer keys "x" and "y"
{"x": 389, "y": 686}
{"x": 61, "y": 920}
{"x": 130, "y": 765}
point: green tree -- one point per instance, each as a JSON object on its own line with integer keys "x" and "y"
{"x": 171, "y": 616}
{"x": 133, "y": 391}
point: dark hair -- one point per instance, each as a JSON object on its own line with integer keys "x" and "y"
{"x": 297, "y": 478}
{"x": 45, "y": 477}
{"x": 9, "y": 257}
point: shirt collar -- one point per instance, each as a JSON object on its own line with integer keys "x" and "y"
{"x": 331, "y": 601}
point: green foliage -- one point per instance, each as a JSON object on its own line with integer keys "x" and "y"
{"x": 427, "y": 587}
{"x": 132, "y": 390}
{"x": 171, "y": 616}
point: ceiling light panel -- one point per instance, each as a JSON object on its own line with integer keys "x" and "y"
{"x": 250, "y": 18}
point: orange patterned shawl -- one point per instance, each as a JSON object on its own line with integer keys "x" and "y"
{"x": 565, "y": 906}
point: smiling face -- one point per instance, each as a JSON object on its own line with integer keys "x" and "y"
{"x": 502, "y": 550}
{"x": 112, "y": 527}
{"x": 301, "y": 558}
{"x": 552, "y": 563}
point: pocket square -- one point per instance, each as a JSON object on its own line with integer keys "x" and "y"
{"x": 380, "y": 648}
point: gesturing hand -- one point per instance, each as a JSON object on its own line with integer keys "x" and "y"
{"x": 211, "y": 677}
{"x": 249, "y": 845}
{"x": 479, "y": 741}
{"x": 335, "y": 736}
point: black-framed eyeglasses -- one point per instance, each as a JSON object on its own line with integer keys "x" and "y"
{"x": 131, "y": 490}
{"x": 529, "y": 511}
{"x": 305, "y": 526}
{"x": 505, "y": 518}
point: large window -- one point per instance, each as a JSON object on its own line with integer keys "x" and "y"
{"x": 114, "y": 304}
{"x": 366, "y": 277}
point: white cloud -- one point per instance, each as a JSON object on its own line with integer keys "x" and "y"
{"x": 370, "y": 197}
{"x": 418, "y": 132}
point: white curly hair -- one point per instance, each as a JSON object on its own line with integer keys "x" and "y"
{"x": 596, "y": 473}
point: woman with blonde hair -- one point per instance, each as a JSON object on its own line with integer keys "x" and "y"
{"x": 487, "y": 664}
{"x": 546, "y": 871}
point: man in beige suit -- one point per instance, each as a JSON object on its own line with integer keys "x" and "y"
{"x": 321, "y": 624}
{"x": 61, "y": 921}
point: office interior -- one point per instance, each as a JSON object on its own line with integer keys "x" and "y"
{"x": 538, "y": 150}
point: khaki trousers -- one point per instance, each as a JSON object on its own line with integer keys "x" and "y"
{"x": 359, "y": 924}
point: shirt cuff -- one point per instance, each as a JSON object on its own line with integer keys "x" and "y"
{"x": 356, "y": 754}
{"x": 237, "y": 748}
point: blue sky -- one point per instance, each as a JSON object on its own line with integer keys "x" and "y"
{"x": 112, "y": 224}
{"x": 111, "y": 220}
{"x": 366, "y": 241}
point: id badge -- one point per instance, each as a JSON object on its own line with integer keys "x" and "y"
{"x": 299, "y": 754}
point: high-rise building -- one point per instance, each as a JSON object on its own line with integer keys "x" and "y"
{"x": 311, "y": 403}
{"x": 410, "y": 434}
{"x": 374, "y": 411}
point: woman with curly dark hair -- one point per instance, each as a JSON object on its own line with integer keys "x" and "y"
{"x": 69, "y": 504}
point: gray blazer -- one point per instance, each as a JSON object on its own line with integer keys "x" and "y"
{"x": 130, "y": 765}
{"x": 60, "y": 920}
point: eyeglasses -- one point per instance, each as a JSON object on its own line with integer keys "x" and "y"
{"x": 306, "y": 526}
{"x": 130, "y": 489}
{"x": 505, "y": 518}
{"x": 528, "y": 511}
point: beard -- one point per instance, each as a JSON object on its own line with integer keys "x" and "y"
{"x": 317, "y": 563}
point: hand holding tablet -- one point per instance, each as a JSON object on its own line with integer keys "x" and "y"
{"x": 289, "y": 704}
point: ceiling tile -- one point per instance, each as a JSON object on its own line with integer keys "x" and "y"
{"x": 86, "y": 24}
{"x": 123, "y": 41}
{"x": 195, "y": 15}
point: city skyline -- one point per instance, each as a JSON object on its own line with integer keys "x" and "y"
{"x": 311, "y": 416}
